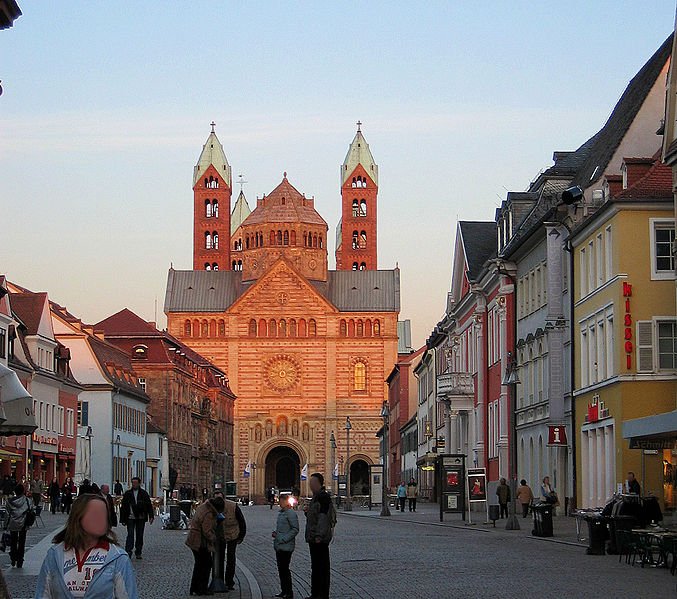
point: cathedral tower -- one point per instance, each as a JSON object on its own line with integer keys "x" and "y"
{"x": 356, "y": 232}
{"x": 212, "y": 188}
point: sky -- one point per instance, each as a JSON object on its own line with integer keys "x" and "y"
{"x": 106, "y": 106}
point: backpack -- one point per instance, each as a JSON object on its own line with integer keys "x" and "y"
{"x": 30, "y": 516}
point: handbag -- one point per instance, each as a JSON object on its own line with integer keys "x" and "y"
{"x": 30, "y": 516}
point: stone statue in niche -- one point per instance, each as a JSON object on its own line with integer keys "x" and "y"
{"x": 306, "y": 432}
{"x": 295, "y": 428}
{"x": 258, "y": 433}
{"x": 269, "y": 428}
{"x": 282, "y": 427}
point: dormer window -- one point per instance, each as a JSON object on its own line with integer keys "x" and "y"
{"x": 624, "y": 173}
{"x": 140, "y": 352}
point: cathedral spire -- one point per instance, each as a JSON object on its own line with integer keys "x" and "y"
{"x": 213, "y": 154}
{"x": 359, "y": 154}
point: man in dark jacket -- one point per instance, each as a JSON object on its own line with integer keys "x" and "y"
{"x": 135, "y": 511}
{"x": 319, "y": 530}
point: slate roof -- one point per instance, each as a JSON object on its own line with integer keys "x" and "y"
{"x": 202, "y": 290}
{"x": 479, "y": 244}
{"x": 212, "y": 155}
{"x": 607, "y": 140}
{"x": 348, "y": 290}
{"x": 285, "y": 204}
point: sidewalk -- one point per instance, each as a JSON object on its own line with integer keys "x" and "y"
{"x": 564, "y": 527}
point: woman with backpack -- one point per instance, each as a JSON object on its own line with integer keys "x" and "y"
{"x": 19, "y": 510}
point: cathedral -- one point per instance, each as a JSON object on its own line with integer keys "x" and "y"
{"x": 306, "y": 348}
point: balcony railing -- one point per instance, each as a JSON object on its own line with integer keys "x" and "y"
{"x": 455, "y": 383}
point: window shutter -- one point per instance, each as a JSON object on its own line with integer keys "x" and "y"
{"x": 644, "y": 346}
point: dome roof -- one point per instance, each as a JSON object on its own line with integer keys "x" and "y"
{"x": 285, "y": 205}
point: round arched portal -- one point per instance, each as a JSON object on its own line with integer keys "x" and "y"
{"x": 359, "y": 478}
{"x": 283, "y": 468}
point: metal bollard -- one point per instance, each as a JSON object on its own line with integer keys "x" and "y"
{"x": 218, "y": 583}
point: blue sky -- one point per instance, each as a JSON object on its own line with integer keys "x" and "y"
{"x": 104, "y": 113}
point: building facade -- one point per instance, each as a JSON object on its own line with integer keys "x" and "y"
{"x": 191, "y": 401}
{"x": 627, "y": 334}
{"x": 305, "y": 347}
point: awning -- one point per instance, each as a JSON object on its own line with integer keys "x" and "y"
{"x": 16, "y": 405}
{"x": 10, "y": 454}
{"x": 652, "y": 432}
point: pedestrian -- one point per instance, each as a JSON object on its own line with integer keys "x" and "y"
{"x": 54, "y": 493}
{"x": 231, "y": 531}
{"x": 320, "y": 522}
{"x": 17, "y": 510}
{"x": 503, "y": 492}
{"x": 117, "y": 488}
{"x": 95, "y": 489}
{"x": 633, "y": 484}
{"x": 36, "y": 487}
{"x": 135, "y": 511}
{"x": 7, "y": 488}
{"x": 548, "y": 493}
{"x": 412, "y": 494}
{"x": 525, "y": 496}
{"x": 112, "y": 514}
{"x": 284, "y": 542}
{"x": 67, "y": 496}
{"x": 202, "y": 542}
{"x": 85, "y": 560}
{"x": 270, "y": 497}
{"x": 85, "y": 487}
{"x": 401, "y": 496}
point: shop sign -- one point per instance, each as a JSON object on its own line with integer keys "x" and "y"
{"x": 44, "y": 440}
{"x": 557, "y": 435}
{"x": 652, "y": 444}
{"x": 627, "y": 323}
{"x": 65, "y": 449}
{"x": 596, "y": 409}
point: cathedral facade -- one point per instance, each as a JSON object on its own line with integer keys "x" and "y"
{"x": 305, "y": 347}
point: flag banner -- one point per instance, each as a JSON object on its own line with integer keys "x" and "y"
{"x": 247, "y": 470}
{"x": 335, "y": 471}
{"x": 304, "y": 473}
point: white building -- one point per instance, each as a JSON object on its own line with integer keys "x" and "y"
{"x": 111, "y": 408}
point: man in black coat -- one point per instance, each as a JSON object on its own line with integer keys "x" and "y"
{"x": 112, "y": 514}
{"x": 135, "y": 511}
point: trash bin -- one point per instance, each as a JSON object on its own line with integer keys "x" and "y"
{"x": 493, "y": 513}
{"x": 618, "y": 524}
{"x": 186, "y": 506}
{"x": 542, "y": 520}
{"x": 597, "y": 534}
{"x": 174, "y": 514}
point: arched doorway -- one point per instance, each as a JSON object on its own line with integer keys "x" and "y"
{"x": 283, "y": 468}
{"x": 359, "y": 478}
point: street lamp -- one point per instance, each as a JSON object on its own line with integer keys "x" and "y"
{"x": 349, "y": 500}
{"x": 332, "y": 445}
{"x": 116, "y": 474}
{"x": 385, "y": 414}
{"x": 89, "y": 436}
{"x": 511, "y": 380}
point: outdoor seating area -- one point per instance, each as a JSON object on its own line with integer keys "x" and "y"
{"x": 654, "y": 547}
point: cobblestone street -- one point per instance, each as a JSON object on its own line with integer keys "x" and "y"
{"x": 410, "y": 556}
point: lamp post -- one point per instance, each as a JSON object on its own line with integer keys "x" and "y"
{"x": 332, "y": 445}
{"x": 349, "y": 500}
{"x": 89, "y": 436}
{"x": 511, "y": 380}
{"x": 116, "y": 473}
{"x": 385, "y": 414}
